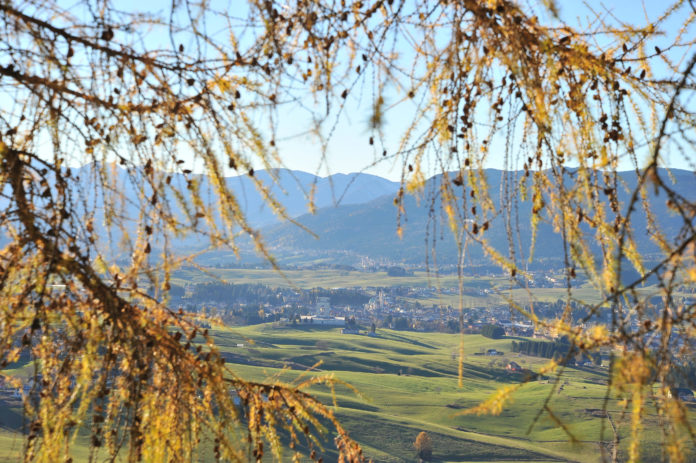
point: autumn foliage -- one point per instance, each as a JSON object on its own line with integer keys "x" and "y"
{"x": 424, "y": 446}
{"x": 159, "y": 94}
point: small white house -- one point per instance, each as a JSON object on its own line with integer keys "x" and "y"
{"x": 327, "y": 321}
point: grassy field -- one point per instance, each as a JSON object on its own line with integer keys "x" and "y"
{"x": 408, "y": 383}
{"x": 307, "y": 279}
{"x": 332, "y": 278}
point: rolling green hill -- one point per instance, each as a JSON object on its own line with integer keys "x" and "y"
{"x": 408, "y": 383}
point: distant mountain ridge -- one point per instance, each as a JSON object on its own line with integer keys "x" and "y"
{"x": 369, "y": 229}
{"x": 290, "y": 188}
{"x": 356, "y": 217}
{"x": 293, "y": 189}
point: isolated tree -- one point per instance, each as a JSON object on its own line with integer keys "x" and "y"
{"x": 424, "y": 446}
{"x": 143, "y": 100}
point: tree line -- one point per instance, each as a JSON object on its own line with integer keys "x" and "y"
{"x": 561, "y": 349}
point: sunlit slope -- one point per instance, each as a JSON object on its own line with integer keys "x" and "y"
{"x": 409, "y": 382}
{"x": 370, "y": 229}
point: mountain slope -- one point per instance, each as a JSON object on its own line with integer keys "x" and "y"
{"x": 370, "y": 229}
{"x": 295, "y": 187}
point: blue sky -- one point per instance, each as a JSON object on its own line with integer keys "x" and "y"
{"x": 349, "y": 150}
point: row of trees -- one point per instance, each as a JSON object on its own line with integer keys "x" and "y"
{"x": 250, "y": 293}
{"x": 560, "y": 350}
{"x": 544, "y": 349}
{"x": 236, "y": 293}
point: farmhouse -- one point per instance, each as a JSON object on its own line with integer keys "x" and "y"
{"x": 327, "y": 321}
{"x": 513, "y": 366}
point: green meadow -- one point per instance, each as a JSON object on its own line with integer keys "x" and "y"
{"x": 408, "y": 382}
{"x": 500, "y": 293}
{"x": 307, "y": 279}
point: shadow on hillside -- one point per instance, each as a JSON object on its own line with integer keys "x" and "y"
{"x": 396, "y": 337}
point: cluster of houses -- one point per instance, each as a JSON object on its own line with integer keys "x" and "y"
{"x": 384, "y": 306}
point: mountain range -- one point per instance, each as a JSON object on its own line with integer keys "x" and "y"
{"x": 356, "y": 219}
{"x": 369, "y": 229}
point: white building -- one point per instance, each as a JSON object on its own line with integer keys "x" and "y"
{"x": 327, "y": 321}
